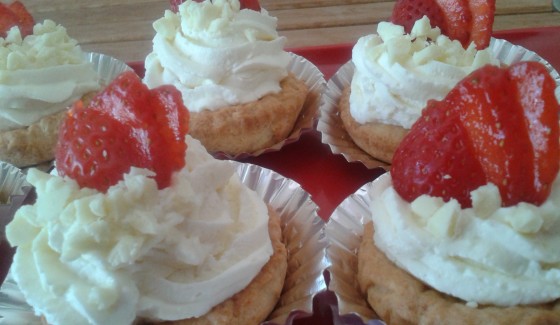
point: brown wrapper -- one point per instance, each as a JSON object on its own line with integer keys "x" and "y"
{"x": 303, "y": 235}
{"x": 333, "y": 132}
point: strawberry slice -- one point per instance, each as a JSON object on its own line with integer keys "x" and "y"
{"x": 446, "y": 170}
{"x": 7, "y": 20}
{"x": 25, "y": 19}
{"x": 463, "y": 20}
{"x": 496, "y": 125}
{"x": 15, "y": 14}
{"x": 145, "y": 128}
{"x": 493, "y": 119}
{"x": 458, "y": 19}
{"x": 482, "y": 12}
{"x": 535, "y": 93}
{"x": 95, "y": 149}
{"x": 407, "y": 12}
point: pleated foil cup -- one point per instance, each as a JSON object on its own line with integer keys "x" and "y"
{"x": 333, "y": 132}
{"x": 344, "y": 232}
{"x": 302, "y": 230}
{"x": 107, "y": 67}
{"x": 13, "y": 190}
{"x": 304, "y": 70}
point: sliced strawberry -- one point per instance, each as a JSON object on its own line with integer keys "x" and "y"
{"x": 250, "y": 4}
{"x": 25, "y": 19}
{"x": 95, "y": 149}
{"x": 535, "y": 93}
{"x": 407, "y": 12}
{"x": 495, "y": 126}
{"x": 482, "y": 12}
{"x": 7, "y": 20}
{"x": 493, "y": 119}
{"x": 170, "y": 124}
{"x": 445, "y": 170}
{"x": 148, "y": 127}
{"x": 458, "y": 19}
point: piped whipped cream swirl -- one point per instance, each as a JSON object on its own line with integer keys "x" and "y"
{"x": 397, "y": 73}
{"x": 41, "y": 74}
{"x": 486, "y": 254}
{"x": 85, "y": 257}
{"x": 216, "y": 54}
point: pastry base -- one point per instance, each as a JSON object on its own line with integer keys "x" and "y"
{"x": 33, "y": 144}
{"x": 249, "y": 127}
{"x": 399, "y": 298}
{"x": 254, "y": 303}
{"x": 376, "y": 139}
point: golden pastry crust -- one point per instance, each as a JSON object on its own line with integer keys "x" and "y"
{"x": 33, "y": 144}
{"x": 254, "y": 303}
{"x": 399, "y": 298}
{"x": 36, "y": 143}
{"x": 250, "y": 127}
{"x": 377, "y": 139}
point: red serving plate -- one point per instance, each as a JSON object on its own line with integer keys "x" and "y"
{"x": 329, "y": 178}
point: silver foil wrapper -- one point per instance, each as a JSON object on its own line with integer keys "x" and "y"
{"x": 107, "y": 67}
{"x": 333, "y": 132}
{"x": 304, "y": 70}
{"x": 344, "y": 232}
{"x": 303, "y": 235}
{"x": 12, "y": 193}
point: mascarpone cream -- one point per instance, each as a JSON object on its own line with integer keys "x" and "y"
{"x": 41, "y": 74}
{"x": 216, "y": 54}
{"x": 486, "y": 254}
{"x": 396, "y": 73}
{"x": 85, "y": 257}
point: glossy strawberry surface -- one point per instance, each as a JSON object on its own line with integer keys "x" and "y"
{"x": 15, "y": 14}
{"x": 498, "y": 125}
{"x": 126, "y": 125}
{"x": 468, "y": 21}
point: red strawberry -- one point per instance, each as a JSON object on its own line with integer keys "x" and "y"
{"x": 175, "y": 4}
{"x": 463, "y": 20}
{"x": 95, "y": 149}
{"x": 497, "y": 125}
{"x": 482, "y": 12}
{"x": 250, "y": 4}
{"x": 7, "y": 20}
{"x": 145, "y": 128}
{"x": 458, "y": 19}
{"x": 25, "y": 19}
{"x": 535, "y": 92}
{"x": 407, "y": 12}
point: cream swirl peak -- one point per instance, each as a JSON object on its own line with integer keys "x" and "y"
{"x": 397, "y": 73}
{"x": 41, "y": 74}
{"x": 216, "y": 54}
{"x": 85, "y": 257}
{"x": 486, "y": 254}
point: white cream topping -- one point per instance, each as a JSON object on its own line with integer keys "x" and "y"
{"x": 486, "y": 254}
{"x": 41, "y": 74}
{"x": 216, "y": 54}
{"x": 397, "y": 73}
{"x": 85, "y": 257}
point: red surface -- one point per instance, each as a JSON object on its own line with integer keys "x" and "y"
{"x": 330, "y": 178}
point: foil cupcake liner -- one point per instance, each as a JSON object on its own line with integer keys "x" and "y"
{"x": 107, "y": 67}
{"x": 333, "y": 132}
{"x": 303, "y": 235}
{"x": 304, "y": 70}
{"x": 344, "y": 232}
{"x": 14, "y": 192}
